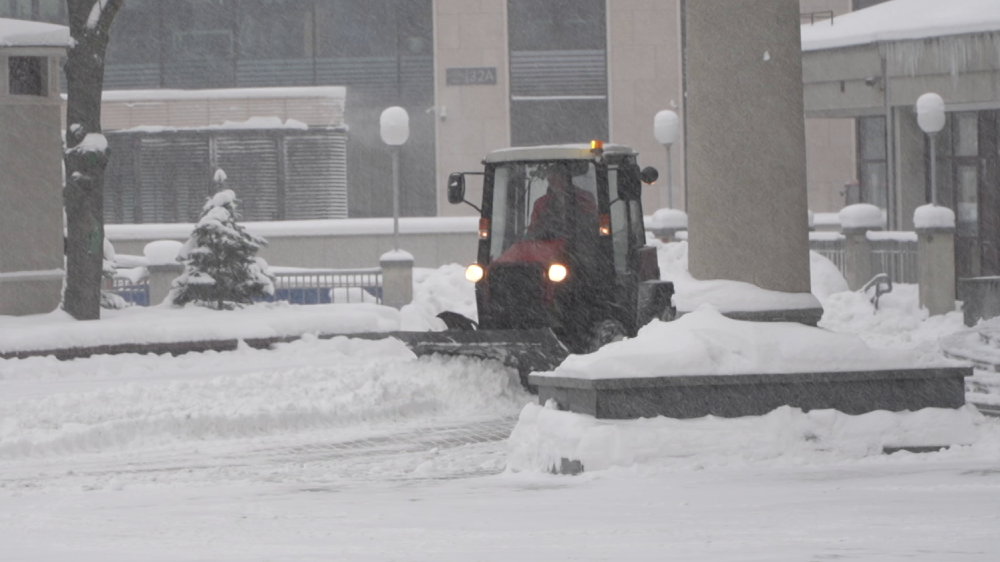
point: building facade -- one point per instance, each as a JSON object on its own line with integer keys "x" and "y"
{"x": 474, "y": 75}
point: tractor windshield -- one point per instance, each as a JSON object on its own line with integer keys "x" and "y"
{"x": 548, "y": 200}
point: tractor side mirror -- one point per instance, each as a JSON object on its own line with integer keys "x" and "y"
{"x": 649, "y": 175}
{"x": 456, "y": 188}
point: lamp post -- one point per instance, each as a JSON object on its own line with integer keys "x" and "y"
{"x": 666, "y": 129}
{"x": 395, "y": 129}
{"x": 931, "y": 118}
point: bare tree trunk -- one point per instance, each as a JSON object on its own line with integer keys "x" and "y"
{"x": 86, "y": 155}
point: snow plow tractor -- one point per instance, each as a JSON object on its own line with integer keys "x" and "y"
{"x": 563, "y": 265}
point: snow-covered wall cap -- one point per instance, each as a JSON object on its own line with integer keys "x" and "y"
{"x": 396, "y": 255}
{"x": 862, "y": 215}
{"x": 669, "y": 218}
{"x": 334, "y": 92}
{"x": 162, "y": 252}
{"x": 21, "y": 33}
{"x": 900, "y": 20}
{"x": 929, "y": 217}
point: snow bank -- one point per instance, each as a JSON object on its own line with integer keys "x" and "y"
{"x": 933, "y": 216}
{"x": 166, "y": 324}
{"x": 184, "y": 402}
{"x": 903, "y": 19}
{"x": 786, "y": 436}
{"x": 705, "y": 342}
{"x": 444, "y": 289}
{"x": 727, "y": 296}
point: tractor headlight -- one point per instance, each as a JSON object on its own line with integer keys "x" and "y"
{"x": 558, "y": 272}
{"x": 474, "y": 273}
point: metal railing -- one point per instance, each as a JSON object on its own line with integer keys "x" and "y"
{"x": 897, "y": 258}
{"x": 325, "y": 286}
{"x": 301, "y": 286}
{"x": 134, "y": 292}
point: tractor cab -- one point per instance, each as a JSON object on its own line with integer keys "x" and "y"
{"x": 562, "y": 244}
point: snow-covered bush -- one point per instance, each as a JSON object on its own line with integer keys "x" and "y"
{"x": 220, "y": 268}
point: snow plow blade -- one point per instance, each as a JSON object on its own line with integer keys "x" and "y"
{"x": 524, "y": 350}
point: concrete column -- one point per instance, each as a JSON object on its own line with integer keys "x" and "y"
{"x": 397, "y": 278}
{"x": 161, "y": 276}
{"x": 746, "y": 158}
{"x": 856, "y": 221}
{"x": 935, "y": 228}
{"x": 162, "y": 267}
{"x": 857, "y": 257}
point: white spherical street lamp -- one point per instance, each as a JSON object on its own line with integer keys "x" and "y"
{"x": 666, "y": 129}
{"x": 931, "y": 118}
{"x": 395, "y": 130}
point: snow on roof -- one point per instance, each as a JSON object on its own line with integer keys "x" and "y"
{"x": 337, "y": 92}
{"x": 21, "y": 33}
{"x": 899, "y": 20}
{"x": 553, "y": 152}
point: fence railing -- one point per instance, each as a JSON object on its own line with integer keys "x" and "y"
{"x": 299, "y": 286}
{"x": 892, "y": 253}
{"x": 134, "y": 292}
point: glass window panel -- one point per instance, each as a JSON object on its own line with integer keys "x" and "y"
{"x": 967, "y": 212}
{"x": 199, "y": 29}
{"x": 536, "y": 122}
{"x": 873, "y": 183}
{"x": 54, "y": 11}
{"x": 353, "y": 28}
{"x": 519, "y": 212}
{"x": 135, "y": 36}
{"x": 275, "y": 29}
{"x": 871, "y": 138}
{"x": 556, "y": 25}
{"x": 966, "y": 134}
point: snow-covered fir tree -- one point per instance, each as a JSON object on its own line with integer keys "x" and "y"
{"x": 220, "y": 267}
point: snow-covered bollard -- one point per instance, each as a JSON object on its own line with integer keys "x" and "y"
{"x": 162, "y": 266}
{"x": 935, "y": 228}
{"x": 397, "y": 278}
{"x": 666, "y": 223}
{"x": 855, "y": 222}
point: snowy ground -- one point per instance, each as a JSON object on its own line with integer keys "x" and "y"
{"x": 356, "y": 450}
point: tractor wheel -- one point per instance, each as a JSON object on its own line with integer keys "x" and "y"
{"x": 605, "y": 332}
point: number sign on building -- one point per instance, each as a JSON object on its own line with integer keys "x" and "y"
{"x": 484, "y": 76}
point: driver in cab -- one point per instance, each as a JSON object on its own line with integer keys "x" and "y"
{"x": 563, "y": 209}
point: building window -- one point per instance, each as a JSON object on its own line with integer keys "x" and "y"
{"x": 558, "y": 71}
{"x": 872, "y": 168}
{"x": 28, "y": 76}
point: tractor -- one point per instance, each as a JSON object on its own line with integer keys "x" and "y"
{"x": 563, "y": 266}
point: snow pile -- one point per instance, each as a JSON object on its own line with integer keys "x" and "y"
{"x": 133, "y": 401}
{"x": 705, "y": 342}
{"x": 727, "y": 296}
{"x": 435, "y": 291}
{"x": 786, "y": 436}
{"x": 933, "y": 216}
{"x": 862, "y": 215}
{"x": 903, "y": 19}
{"x": 165, "y": 324}
{"x": 826, "y": 277}
{"x": 898, "y": 323}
